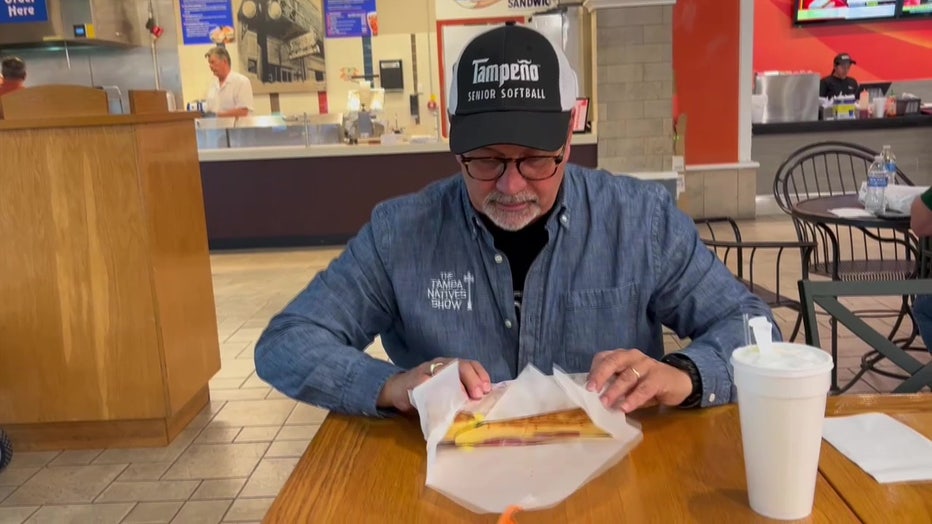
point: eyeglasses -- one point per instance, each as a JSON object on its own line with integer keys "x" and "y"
{"x": 488, "y": 168}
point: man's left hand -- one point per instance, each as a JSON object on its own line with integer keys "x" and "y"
{"x": 635, "y": 380}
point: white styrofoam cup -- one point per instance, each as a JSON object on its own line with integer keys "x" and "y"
{"x": 782, "y": 408}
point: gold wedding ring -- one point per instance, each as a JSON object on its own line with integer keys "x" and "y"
{"x": 434, "y": 366}
{"x": 636, "y": 374}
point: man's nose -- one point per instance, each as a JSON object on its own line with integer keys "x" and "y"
{"x": 511, "y": 182}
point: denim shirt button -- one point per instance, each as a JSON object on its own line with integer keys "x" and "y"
{"x": 508, "y": 323}
{"x": 564, "y": 219}
{"x": 499, "y": 259}
{"x": 711, "y": 397}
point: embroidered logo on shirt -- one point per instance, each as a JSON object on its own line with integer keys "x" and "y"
{"x": 451, "y": 293}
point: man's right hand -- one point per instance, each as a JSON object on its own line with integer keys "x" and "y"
{"x": 394, "y": 394}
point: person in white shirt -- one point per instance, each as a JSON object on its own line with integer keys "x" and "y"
{"x": 230, "y": 94}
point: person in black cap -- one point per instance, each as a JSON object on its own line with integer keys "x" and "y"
{"x": 12, "y": 74}
{"x": 839, "y": 83}
{"x": 522, "y": 259}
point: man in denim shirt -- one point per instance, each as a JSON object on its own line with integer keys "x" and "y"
{"x": 521, "y": 259}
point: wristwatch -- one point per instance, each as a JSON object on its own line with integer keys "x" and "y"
{"x": 683, "y": 363}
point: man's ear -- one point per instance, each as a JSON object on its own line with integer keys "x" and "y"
{"x": 569, "y": 132}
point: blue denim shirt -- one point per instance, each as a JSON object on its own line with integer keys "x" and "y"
{"x": 424, "y": 274}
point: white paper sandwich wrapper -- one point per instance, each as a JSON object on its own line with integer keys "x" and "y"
{"x": 490, "y": 479}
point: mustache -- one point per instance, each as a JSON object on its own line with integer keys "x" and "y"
{"x": 500, "y": 198}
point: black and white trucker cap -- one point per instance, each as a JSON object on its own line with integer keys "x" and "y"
{"x": 511, "y": 86}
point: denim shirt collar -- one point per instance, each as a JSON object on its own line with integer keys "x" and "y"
{"x": 559, "y": 218}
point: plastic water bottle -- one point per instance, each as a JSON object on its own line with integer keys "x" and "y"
{"x": 877, "y": 178}
{"x": 889, "y": 161}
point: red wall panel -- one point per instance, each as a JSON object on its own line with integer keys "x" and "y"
{"x": 888, "y": 51}
{"x": 706, "y": 36}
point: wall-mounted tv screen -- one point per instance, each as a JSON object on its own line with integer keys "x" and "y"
{"x": 828, "y": 11}
{"x": 916, "y": 8}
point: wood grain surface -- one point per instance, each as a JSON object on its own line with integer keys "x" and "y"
{"x": 54, "y": 101}
{"x": 688, "y": 468}
{"x": 92, "y": 121}
{"x": 108, "y": 321}
{"x": 80, "y": 340}
{"x": 873, "y": 502}
{"x": 147, "y": 101}
{"x": 173, "y": 203}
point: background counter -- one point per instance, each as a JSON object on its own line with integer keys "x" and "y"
{"x": 319, "y": 195}
{"x": 910, "y": 137}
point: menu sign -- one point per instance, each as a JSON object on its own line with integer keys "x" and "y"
{"x": 23, "y": 11}
{"x": 350, "y": 18}
{"x": 206, "y": 21}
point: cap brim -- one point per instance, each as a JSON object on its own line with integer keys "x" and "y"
{"x": 545, "y": 131}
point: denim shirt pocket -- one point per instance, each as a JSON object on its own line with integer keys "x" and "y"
{"x": 598, "y": 320}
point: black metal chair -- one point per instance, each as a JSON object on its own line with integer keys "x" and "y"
{"x": 846, "y": 253}
{"x": 826, "y": 294}
{"x": 839, "y": 168}
{"x": 727, "y": 241}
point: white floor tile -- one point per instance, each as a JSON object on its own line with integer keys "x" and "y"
{"x": 202, "y": 512}
{"x": 153, "y": 513}
{"x": 217, "y": 461}
{"x": 96, "y": 513}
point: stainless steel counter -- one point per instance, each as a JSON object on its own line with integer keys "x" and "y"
{"x": 269, "y": 131}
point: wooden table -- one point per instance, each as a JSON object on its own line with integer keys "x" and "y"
{"x": 688, "y": 468}
{"x": 871, "y": 501}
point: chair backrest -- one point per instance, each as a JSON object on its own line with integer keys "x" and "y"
{"x": 839, "y": 168}
{"x": 824, "y": 169}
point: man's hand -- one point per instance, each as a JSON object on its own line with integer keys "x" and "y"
{"x": 635, "y": 380}
{"x": 394, "y": 394}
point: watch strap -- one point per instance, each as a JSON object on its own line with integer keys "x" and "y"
{"x": 684, "y": 363}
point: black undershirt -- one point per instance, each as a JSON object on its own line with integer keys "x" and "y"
{"x": 521, "y": 249}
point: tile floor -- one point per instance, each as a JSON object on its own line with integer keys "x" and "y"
{"x": 229, "y": 464}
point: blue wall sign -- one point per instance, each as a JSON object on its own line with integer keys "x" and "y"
{"x": 23, "y": 11}
{"x": 206, "y": 21}
{"x": 350, "y": 18}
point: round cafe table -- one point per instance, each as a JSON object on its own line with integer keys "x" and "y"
{"x": 817, "y": 212}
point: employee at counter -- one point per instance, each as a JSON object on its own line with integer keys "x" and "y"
{"x": 12, "y": 76}
{"x": 230, "y": 93}
{"x": 13, "y": 71}
{"x": 839, "y": 83}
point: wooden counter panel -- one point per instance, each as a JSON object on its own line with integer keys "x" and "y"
{"x": 54, "y": 101}
{"x": 177, "y": 234}
{"x": 60, "y": 121}
{"x": 77, "y": 314}
{"x": 317, "y": 200}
